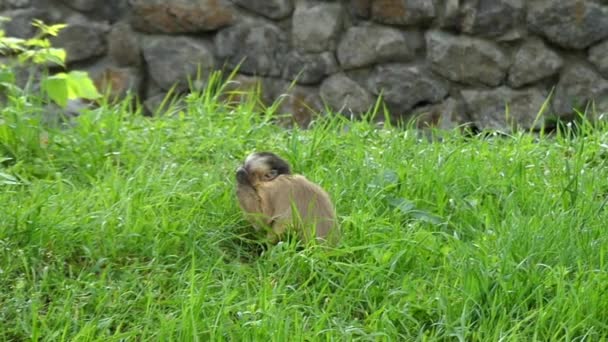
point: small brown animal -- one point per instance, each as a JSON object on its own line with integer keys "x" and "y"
{"x": 276, "y": 200}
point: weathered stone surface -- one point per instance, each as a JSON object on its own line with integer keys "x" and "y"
{"x": 344, "y": 95}
{"x": 315, "y": 26}
{"x": 20, "y": 25}
{"x": 448, "y": 115}
{"x": 13, "y": 4}
{"x": 578, "y": 85}
{"x": 404, "y": 87}
{"x": 533, "y": 62}
{"x": 81, "y": 41}
{"x": 488, "y": 108}
{"x": 467, "y": 60}
{"x": 175, "y": 16}
{"x": 309, "y": 68}
{"x": 569, "y": 23}
{"x": 82, "y": 5}
{"x": 598, "y": 55}
{"x": 118, "y": 82}
{"x": 173, "y": 60}
{"x": 273, "y": 9}
{"x": 123, "y": 45}
{"x": 492, "y": 18}
{"x": 449, "y": 14}
{"x": 403, "y": 12}
{"x": 367, "y": 45}
{"x": 361, "y": 8}
{"x": 301, "y": 105}
{"x": 257, "y": 47}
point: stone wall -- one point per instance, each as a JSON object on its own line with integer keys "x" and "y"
{"x": 455, "y": 61}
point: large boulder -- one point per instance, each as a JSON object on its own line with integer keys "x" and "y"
{"x": 492, "y": 18}
{"x": 467, "y": 60}
{"x": 367, "y": 45}
{"x": 579, "y": 86}
{"x": 404, "y": 87}
{"x": 533, "y": 61}
{"x": 181, "y": 16}
{"x": 82, "y": 41}
{"x": 172, "y": 60}
{"x": 255, "y": 47}
{"x": 20, "y": 24}
{"x": 344, "y": 95}
{"x": 598, "y": 55}
{"x": 503, "y": 108}
{"x": 309, "y": 68}
{"x": 315, "y": 26}
{"x": 569, "y": 23}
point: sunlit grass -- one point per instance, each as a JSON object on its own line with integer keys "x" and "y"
{"x": 122, "y": 227}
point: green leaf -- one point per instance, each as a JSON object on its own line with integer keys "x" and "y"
{"x": 56, "y": 87}
{"x": 82, "y": 86}
{"x": 7, "y": 179}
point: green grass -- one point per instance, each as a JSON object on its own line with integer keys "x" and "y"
{"x": 123, "y": 227}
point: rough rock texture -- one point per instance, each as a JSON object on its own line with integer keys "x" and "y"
{"x": 123, "y": 45}
{"x": 492, "y": 18}
{"x": 573, "y": 24}
{"x": 81, "y": 41}
{"x": 533, "y": 61}
{"x": 403, "y": 87}
{"x": 173, "y": 60}
{"x": 175, "y": 16}
{"x": 344, "y": 95}
{"x": 273, "y": 9}
{"x": 257, "y": 47}
{"x": 118, "y": 81}
{"x": 466, "y": 60}
{"x": 403, "y": 12}
{"x": 488, "y": 108}
{"x": 366, "y": 45}
{"x": 20, "y": 25}
{"x": 309, "y": 68}
{"x": 316, "y": 26}
{"x": 418, "y": 54}
{"x": 579, "y": 84}
{"x": 598, "y": 55}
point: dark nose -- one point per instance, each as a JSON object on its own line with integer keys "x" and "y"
{"x": 241, "y": 175}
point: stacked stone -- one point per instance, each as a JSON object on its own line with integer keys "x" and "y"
{"x": 455, "y": 61}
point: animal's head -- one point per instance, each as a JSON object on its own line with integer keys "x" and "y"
{"x": 261, "y": 167}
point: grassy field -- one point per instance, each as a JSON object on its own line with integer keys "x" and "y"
{"x": 121, "y": 227}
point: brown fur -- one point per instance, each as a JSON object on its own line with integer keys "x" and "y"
{"x": 284, "y": 201}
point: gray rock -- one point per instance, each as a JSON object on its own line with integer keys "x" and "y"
{"x": 257, "y": 47}
{"x": 273, "y": 9}
{"x": 301, "y": 105}
{"x": 172, "y": 60}
{"x": 20, "y": 24}
{"x": 315, "y": 26}
{"x": 449, "y": 14}
{"x": 403, "y": 12}
{"x": 446, "y": 115}
{"x": 344, "y": 95}
{"x": 181, "y": 16}
{"x": 13, "y": 4}
{"x": 361, "y": 8}
{"x": 492, "y": 18}
{"x": 598, "y": 55}
{"x": 488, "y": 108}
{"x": 569, "y": 23}
{"x": 123, "y": 45}
{"x": 533, "y": 62}
{"x": 81, "y": 41}
{"x": 466, "y": 60}
{"x": 578, "y": 86}
{"x": 309, "y": 68}
{"x": 118, "y": 82}
{"x": 367, "y": 45}
{"x": 82, "y": 5}
{"x": 404, "y": 87}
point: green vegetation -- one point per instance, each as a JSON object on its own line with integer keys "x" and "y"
{"x": 124, "y": 227}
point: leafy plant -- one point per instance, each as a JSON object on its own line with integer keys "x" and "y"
{"x": 59, "y": 87}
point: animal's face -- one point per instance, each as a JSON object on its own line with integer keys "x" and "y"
{"x": 261, "y": 167}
